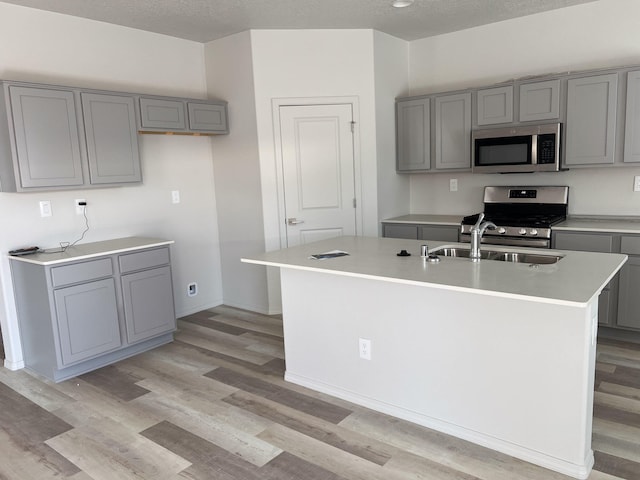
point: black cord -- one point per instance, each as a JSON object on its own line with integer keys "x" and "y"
{"x": 86, "y": 229}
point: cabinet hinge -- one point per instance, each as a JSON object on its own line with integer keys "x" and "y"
{"x": 353, "y": 126}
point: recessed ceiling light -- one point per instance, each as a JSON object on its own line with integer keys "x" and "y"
{"x": 401, "y": 3}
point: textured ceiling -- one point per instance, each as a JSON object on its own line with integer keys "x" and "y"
{"x": 206, "y": 20}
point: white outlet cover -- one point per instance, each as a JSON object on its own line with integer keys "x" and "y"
{"x": 175, "y": 196}
{"x": 636, "y": 183}
{"x": 453, "y": 185}
{"x": 45, "y": 208}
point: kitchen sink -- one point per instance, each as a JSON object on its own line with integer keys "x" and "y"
{"x": 500, "y": 256}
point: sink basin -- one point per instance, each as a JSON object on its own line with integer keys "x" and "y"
{"x": 501, "y": 256}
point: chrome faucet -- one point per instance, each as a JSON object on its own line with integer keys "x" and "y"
{"x": 476, "y": 236}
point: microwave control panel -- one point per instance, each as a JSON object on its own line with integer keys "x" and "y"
{"x": 547, "y": 148}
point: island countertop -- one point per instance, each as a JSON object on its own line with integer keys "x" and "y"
{"x": 82, "y": 251}
{"x": 575, "y": 280}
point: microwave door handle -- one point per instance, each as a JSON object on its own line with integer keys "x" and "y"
{"x": 534, "y": 149}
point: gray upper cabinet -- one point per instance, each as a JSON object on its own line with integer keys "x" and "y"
{"x": 162, "y": 114}
{"x": 56, "y": 138}
{"x": 495, "y": 105}
{"x": 46, "y": 142}
{"x": 453, "y": 131}
{"x": 413, "y": 135}
{"x": 207, "y": 117}
{"x": 540, "y": 101}
{"x": 591, "y": 120}
{"x": 166, "y": 114}
{"x": 112, "y": 140}
{"x": 632, "y": 123}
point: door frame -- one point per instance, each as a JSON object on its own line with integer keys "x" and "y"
{"x": 276, "y": 103}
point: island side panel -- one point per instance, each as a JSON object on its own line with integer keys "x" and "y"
{"x": 513, "y": 375}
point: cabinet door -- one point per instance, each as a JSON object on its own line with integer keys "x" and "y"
{"x": 207, "y": 117}
{"x": 159, "y": 114}
{"x": 148, "y": 303}
{"x": 591, "y": 120}
{"x": 540, "y": 101}
{"x": 400, "y": 231}
{"x": 632, "y": 124}
{"x": 413, "y": 135}
{"x": 495, "y": 105}
{"x": 46, "y": 137}
{"x": 87, "y": 317}
{"x": 629, "y": 297}
{"x": 112, "y": 138}
{"x": 453, "y": 131}
{"x": 443, "y": 233}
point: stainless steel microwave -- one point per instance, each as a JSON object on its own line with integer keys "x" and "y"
{"x": 519, "y": 149}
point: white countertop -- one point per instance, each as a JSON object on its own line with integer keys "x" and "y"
{"x": 423, "y": 219}
{"x": 600, "y": 224}
{"x": 83, "y": 251}
{"x": 575, "y": 279}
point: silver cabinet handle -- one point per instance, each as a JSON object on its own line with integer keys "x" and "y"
{"x": 294, "y": 221}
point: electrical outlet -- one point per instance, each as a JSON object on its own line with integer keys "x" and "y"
{"x": 45, "y": 208}
{"x": 80, "y": 208}
{"x": 453, "y": 185}
{"x": 364, "y": 346}
{"x": 192, "y": 289}
{"x": 636, "y": 183}
{"x": 175, "y": 196}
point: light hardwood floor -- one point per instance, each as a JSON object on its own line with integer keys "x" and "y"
{"x": 214, "y": 405}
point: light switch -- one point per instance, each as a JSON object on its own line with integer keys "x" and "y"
{"x": 636, "y": 183}
{"x": 453, "y": 185}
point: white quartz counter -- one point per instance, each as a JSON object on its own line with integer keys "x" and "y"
{"x": 83, "y": 251}
{"x": 420, "y": 219}
{"x": 575, "y": 280}
{"x": 629, "y": 225}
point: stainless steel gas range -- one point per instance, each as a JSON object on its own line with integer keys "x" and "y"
{"x": 523, "y": 215}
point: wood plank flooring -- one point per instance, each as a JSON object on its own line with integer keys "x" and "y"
{"x": 213, "y": 405}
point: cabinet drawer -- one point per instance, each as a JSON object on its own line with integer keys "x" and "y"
{"x": 441, "y": 233}
{"x": 584, "y": 242}
{"x": 400, "y": 231}
{"x": 141, "y": 260}
{"x": 630, "y": 245}
{"x": 81, "y": 272}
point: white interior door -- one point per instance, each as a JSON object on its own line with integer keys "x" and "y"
{"x": 318, "y": 169}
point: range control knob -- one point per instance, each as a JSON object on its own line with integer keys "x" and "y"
{"x": 502, "y": 230}
{"x": 522, "y": 231}
{"x": 533, "y": 231}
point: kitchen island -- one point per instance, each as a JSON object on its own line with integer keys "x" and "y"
{"x": 498, "y": 353}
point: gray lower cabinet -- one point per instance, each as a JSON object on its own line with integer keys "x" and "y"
{"x": 87, "y": 317}
{"x": 442, "y": 233}
{"x": 629, "y": 299}
{"x": 619, "y": 305}
{"x": 595, "y": 242}
{"x": 81, "y": 315}
{"x": 165, "y": 114}
{"x": 591, "y": 120}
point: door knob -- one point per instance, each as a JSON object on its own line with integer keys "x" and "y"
{"x": 294, "y": 221}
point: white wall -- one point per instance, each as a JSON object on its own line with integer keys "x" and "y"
{"x": 391, "y": 76}
{"x": 237, "y": 172}
{"x": 46, "y": 47}
{"x": 593, "y": 35}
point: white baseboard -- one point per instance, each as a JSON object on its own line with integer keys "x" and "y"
{"x": 577, "y": 471}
